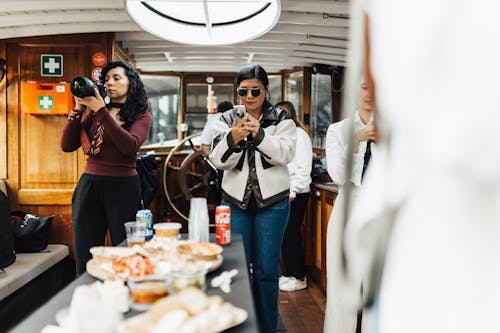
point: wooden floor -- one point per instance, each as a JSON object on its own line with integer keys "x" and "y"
{"x": 303, "y": 311}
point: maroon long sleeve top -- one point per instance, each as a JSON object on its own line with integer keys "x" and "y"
{"x": 120, "y": 142}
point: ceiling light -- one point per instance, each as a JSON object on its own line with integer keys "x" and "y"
{"x": 205, "y": 22}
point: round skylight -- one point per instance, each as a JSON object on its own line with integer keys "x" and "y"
{"x": 205, "y": 22}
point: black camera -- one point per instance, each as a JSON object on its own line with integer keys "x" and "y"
{"x": 83, "y": 87}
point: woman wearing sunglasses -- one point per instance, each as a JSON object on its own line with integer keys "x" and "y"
{"x": 253, "y": 149}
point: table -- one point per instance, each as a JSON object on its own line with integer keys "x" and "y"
{"x": 240, "y": 296}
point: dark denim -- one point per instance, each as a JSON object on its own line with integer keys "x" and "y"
{"x": 262, "y": 230}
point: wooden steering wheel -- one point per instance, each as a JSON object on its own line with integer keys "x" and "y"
{"x": 192, "y": 176}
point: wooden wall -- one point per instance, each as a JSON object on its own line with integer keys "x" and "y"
{"x": 41, "y": 177}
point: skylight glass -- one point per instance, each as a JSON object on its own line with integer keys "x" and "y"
{"x": 205, "y": 22}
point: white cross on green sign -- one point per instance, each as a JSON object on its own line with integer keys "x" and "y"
{"x": 45, "y": 102}
{"x": 51, "y": 65}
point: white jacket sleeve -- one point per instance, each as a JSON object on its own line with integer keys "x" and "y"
{"x": 224, "y": 155}
{"x": 300, "y": 167}
{"x": 278, "y": 148}
{"x": 336, "y": 154}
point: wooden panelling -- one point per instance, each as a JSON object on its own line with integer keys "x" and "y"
{"x": 41, "y": 177}
{"x": 3, "y": 119}
{"x": 322, "y": 202}
{"x": 45, "y": 196}
{"x": 41, "y": 135}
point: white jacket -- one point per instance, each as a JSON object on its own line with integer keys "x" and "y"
{"x": 257, "y": 167}
{"x": 301, "y": 165}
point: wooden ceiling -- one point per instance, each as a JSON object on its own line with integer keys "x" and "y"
{"x": 308, "y": 32}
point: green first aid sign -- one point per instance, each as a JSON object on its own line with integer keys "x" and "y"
{"x": 45, "y": 102}
{"x": 51, "y": 65}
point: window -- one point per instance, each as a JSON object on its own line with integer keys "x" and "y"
{"x": 293, "y": 91}
{"x": 197, "y": 103}
{"x": 274, "y": 89}
{"x": 321, "y": 106}
{"x": 163, "y": 96}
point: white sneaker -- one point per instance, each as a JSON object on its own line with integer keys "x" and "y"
{"x": 284, "y": 279}
{"x": 294, "y": 284}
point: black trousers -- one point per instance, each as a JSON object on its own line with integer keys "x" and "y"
{"x": 100, "y": 203}
{"x": 292, "y": 253}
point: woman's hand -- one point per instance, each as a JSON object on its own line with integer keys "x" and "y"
{"x": 251, "y": 124}
{"x": 93, "y": 103}
{"x": 238, "y": 131}
{"x": 366, "y": 133}
{"x": 78, "y": 107}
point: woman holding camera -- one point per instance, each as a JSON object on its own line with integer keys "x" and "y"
{"x": 254, "y": 152}
{"x": 108, "y": 192}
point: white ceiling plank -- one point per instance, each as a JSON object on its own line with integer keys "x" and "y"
{"x": 64, "y": 17}
{"x": 231, "y": 48}
{"x": 269, "y": 40}
{"x": 229, "y": 51}
{"x": 46, "y": 5}
{"x": 57, "y": 29}
{"x": 311, "y": 29}
{"x": 268, "y": 37}
{"x": 316, "y": 6}
{"x": 313, "y": 19}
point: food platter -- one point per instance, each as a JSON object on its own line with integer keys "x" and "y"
{"x": 239, "y": 317}
{"x": 104, "y": 271}
{"x": 156, "y": 257}
{"x": 191, "y": 310}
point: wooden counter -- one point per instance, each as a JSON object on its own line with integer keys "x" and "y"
{"x": 323, "y": 197}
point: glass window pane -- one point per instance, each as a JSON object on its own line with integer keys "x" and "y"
{"x": 274, "y": 89}
{"x": 197, "y": 103}
{"x": 163, "y": 97}
{"x": 321, "y": 106}
{"x": 293, "y": 91}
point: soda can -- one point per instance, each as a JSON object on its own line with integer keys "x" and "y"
{"x": 145, "y": 217}
{"x": 222, "y": 225}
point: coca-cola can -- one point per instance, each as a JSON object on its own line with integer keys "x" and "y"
{"x": 222, "y": 225}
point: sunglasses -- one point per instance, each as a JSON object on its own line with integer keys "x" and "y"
{"x": 243, "y": 92}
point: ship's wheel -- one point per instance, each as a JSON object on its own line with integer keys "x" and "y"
{"x": 193, "y": 177}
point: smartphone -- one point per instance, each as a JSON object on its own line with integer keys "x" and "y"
{"x": 239, "y": 112}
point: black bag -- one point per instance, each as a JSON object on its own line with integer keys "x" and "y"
{"x": 7, "y": 254}
{"x": 146, "y": 166}
{"x": 31, "y": 233}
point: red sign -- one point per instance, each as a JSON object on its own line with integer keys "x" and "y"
{"x": 96, "y": 74}
{"x": 99, "y": 59}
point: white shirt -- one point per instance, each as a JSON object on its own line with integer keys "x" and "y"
{"x": 300, "y": 167}
{"x": 437, "y": 94}
{"x": 337, "y": 139}
{"x": 207, "y": 134}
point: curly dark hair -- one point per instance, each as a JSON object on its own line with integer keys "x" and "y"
{"x": 137, "y": 100}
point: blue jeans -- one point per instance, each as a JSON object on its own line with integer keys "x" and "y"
{"x": 262, "y": 230}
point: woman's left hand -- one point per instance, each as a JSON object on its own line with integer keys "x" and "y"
{"x": 94, "y": 103}
{"x": 252, "y": 125}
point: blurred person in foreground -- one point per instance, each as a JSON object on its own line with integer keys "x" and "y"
{"x": 206, "y": 137}
{"x": 338, "y": 317}
{"x": 292, "y": 253}
{"x": 254, "y": 152}
{"x": 108, "y": 192}
{"x": 434, "y": 189}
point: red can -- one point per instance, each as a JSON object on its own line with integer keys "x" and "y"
{"x": 222, "y": 225}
